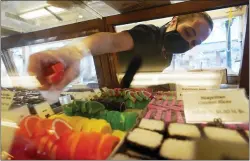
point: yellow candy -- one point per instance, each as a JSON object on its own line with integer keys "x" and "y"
{"x": 101, "y": 126}
{"x": 81, "y": 123}
{"x": 65, "y": 118}
{"x": 53, "y": 117}
{"x": 106, "y": 129}
{"x": 119, "y": 134}
{"x": 73, "y": 120}
{"x": 86, "y": 126}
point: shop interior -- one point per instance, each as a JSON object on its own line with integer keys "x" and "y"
{"x": 175, "y": 107}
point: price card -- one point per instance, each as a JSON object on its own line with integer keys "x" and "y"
{"x": 16, "y": 115}
{"x": 229, "y": 105}
{"x": 44, "y": 110}
{"x": 104, "y": 89}
{"x": 98, "y": 92}
{"x": 180, "y": 89}
{"x": 89, "y": 95}
{"x": 197, "y": 81}
{"x": 6, "y": 99}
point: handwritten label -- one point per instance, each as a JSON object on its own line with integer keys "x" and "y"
{"x": 180, "y": 89}
{"x": 6, "y": 100}
{"x": 44, "y": 110}
{"x": 230, "y": 105}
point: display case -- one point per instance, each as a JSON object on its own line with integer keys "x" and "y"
{"x": 102, "y": 120}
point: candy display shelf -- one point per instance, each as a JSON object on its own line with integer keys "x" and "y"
{"x": 81, "y": 130}
{"x": 123, "y": 124}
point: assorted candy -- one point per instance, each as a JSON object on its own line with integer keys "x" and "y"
{"x": 92, "y": 129}
{"x": 151, "y": 139}
{"x": 126, "y": 97}
{"x": 38, "y": 138}
{"x": 91, "y": 109}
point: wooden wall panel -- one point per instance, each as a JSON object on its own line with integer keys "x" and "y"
{"x": 53, "y": 34}
{"x": 107, "y": 74}
{"x": 173, "y": 10}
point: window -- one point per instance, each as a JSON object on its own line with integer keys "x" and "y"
{"x": 213, "y": 52}
{"x": 5, "y": 80}
{"x": 21, "y": 58}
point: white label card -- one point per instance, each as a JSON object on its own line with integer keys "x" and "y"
{"x": 44, "y": 110}
{"x": 105, "y": 89}
{"x": 229, "y": 105}
{"x": 98, "y": 92}
{"x": 81, "y": 95}
{"x": 180, "y": 89}
{"x": 15, "y": 115}
{"x": 6, "y": 99}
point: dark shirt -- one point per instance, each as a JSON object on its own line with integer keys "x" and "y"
{"x": 147, "y": 39}
{"x": 148, "y": 43}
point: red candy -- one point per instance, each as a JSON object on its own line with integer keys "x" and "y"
{"x": 55, "y": 73}
{"x": 45, "y": 139}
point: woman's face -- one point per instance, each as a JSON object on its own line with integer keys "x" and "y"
{"x": 194, "y": 31}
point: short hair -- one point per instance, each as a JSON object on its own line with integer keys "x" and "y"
{"x": 204, "y": 15}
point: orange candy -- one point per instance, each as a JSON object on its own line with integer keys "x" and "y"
{"x": 87, "y": 146}
{"x": 60, "y": 127}
{"x": 106, "y": 146}
{"x": 54, "y": 139}
{"x": 28, "y": 125}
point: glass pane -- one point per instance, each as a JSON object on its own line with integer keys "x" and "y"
{"x": 21, "y": 58}
{"x": 211, "y": 54}
{"x": 5, "y": 80}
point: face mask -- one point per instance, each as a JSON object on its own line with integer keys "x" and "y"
{"x": 174, "y": 42}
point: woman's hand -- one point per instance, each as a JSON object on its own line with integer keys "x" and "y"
{"x": 69, "y": 56}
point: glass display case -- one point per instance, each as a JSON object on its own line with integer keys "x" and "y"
{"x": 140, "y": 122}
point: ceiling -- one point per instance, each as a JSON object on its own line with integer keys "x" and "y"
{"x": 12, "y": 21}
{"x": 74, "y": 11}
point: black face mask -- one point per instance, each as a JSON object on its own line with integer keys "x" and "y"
{"x": 174, "y": 43}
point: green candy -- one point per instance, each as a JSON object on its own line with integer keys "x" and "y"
{"x": 84, "y": 108}
{"x": 115, "y": 121}
{"x": 126, "y": 94}
{"x": 95, "y": 107}
{"x": 68, "y": 111}
{"x": 120, "y": 99}
{"x": 102, "y": 115}
{"x": 130, "y": 104}
{"x": 141, "y": 104}
{"x": 137, "y": 96}
{"x": 109, "y": 117}
{"x": 122, "y": 121}
{"x": 130, "y": 120}
{"x": 78, "y": 114}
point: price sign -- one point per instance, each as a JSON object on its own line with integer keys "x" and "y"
{"x": 44, "y": 110}
{"x": 16, "y": 115}
{"x": 6, "y": 100}
{"x": 98, "y": 92}
{"x": 229, "y": 105}
{"x": 198, "y": 81}
{"x": 104, "y": 89}
{"x": 180, "y": 89}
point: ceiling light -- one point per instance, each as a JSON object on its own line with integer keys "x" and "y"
{"x": 177, "y": 1}
{"x": 35, "y": 14}
{"x": 56, "y": 9}
{"x": 41, "y": 13}
{"x": 80, "y": 16}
